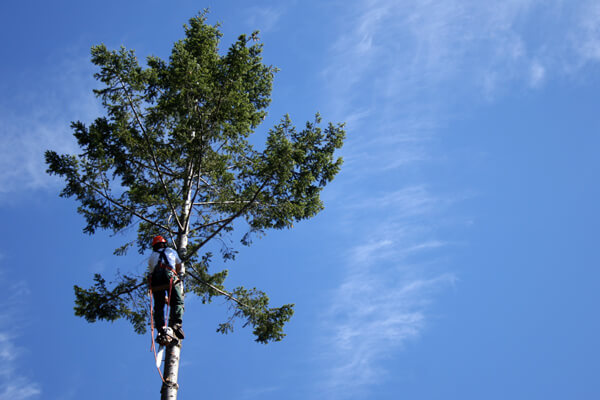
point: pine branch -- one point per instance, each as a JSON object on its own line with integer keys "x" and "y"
{"x": 207, "y": 225}
{"x": 170, "y": 173}
{"x": 126, "y": 208}
{"x": 151, "y": 151}
{"x": 226, "y": 222}
{"x": 208, "y": 184}
{"x": 220, "y": 291}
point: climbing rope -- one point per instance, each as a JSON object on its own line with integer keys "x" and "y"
{"x": 152, "y": 343}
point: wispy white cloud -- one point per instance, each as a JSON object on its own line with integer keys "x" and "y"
{"x": 19, "y": 389}
{"x": 390, "y": 279}
{"x": 37, "y": 119}
{"x": 586, "y": 37}
{"x": 537, "y": 74}
{"x": 13, "y": 385}
{"x": 380, "y": 305}
{"x": 409, "y": 54}
{"x": 264, "y": 18}
{"x": 399, "y": 70}
{"x": 400, "y": 73}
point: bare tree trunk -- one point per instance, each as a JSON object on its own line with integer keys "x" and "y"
{"x": 170, "y": 387}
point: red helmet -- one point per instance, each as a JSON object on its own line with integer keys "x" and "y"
{"x": 158, "y": 239}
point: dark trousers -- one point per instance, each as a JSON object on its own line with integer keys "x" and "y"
{"x": 160, "y": 278}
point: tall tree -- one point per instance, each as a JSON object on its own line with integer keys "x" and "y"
{"x": 172, "y": 156}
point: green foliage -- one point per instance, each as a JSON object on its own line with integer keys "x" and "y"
{"x": 267, "y": 322}
{"x": 172, "y": 156}
{"x": 110, "y": 305}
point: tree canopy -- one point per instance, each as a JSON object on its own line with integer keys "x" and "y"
{"x": 173, "y": 155}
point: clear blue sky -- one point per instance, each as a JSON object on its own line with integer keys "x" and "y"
{"x": 457, "y": 256}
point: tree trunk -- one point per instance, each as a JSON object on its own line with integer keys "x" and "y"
{"x": 170, "y": 387}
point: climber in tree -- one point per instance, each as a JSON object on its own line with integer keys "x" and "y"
{"x": 165, "y": 282}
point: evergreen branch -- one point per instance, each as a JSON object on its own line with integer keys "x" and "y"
{"x": 100, "y": 303}
{"x": 201, "y": 148}
{"x": 208, "y": 184}
{"x": 220, "y": 291}
{"x": 152, "y": 154}
{"x": 126, "y": 208}
{"x": 126, "y": 291}
{"x": 168, "y": 171}
{"x": 207, "y": 225}
{"x": 226, "y": 222}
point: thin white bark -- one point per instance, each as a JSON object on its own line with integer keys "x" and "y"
{"x": 171, "y": 372}
{"x": 173, "y": 352}
{"x": 208, "y": 203}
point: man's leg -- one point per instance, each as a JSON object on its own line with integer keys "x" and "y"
{"x": 159, "y": 308}
{"x": 176, "y": 313}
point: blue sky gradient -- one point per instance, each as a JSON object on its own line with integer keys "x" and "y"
{"x": 457, "y": 253}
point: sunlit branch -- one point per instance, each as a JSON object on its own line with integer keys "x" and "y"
{"x": 151, "y": 150}
{"x": 207, "y": 203}
{"x": 227, "y": 221}
{"x": 220, "y": 291}
{"x": 126, "y": 208}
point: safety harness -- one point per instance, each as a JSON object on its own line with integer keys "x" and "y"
{"x": 163, "y": 262}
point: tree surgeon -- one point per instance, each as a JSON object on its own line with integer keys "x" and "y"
{"x": 165, "y": 283}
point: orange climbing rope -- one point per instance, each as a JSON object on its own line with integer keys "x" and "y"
{"x": 153, "y": 345}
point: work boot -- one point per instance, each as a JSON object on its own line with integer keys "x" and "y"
{"x": 178, "y": 331}
{"x": 160, "y": 333}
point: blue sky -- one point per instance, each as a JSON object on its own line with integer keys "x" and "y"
{"x": 456, "y": 256}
